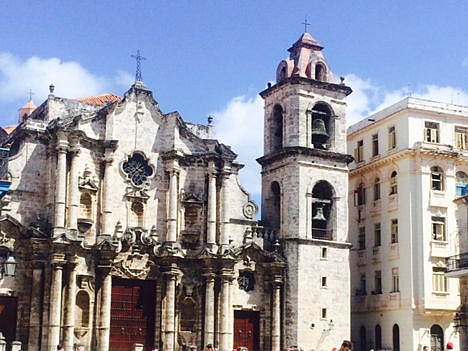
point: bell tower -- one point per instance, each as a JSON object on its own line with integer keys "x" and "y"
{"x": 304, "y": 194}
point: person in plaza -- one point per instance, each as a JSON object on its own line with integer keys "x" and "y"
{"x": 346, "y": 346}
{"x": 425, "y": 348}
{"x": 209, "y": 347}
{"x": 59, "y": 347}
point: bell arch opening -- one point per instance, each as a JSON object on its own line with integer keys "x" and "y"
{"x": 276, "y": 128}
{"x": 321, "y": 126}
{"x": 322, "y": 211}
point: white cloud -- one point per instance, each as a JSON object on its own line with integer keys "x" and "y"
{"x": 240, "y": 125}
{"x": 71, "y": 79}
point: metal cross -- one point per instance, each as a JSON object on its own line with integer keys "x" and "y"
{"x": 138, "y": 59}
{"x": 305, "y": 23}
{"x": 30, "y": 94}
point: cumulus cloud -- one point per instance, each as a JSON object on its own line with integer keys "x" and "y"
{"x": 240, "y": 125}
{"x": 368, "y": 98}
{"x": 71, "y": 79}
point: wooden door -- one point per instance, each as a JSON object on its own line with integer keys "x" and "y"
{"x": 8, "y": 318}
{"x": 132, "y": 314}
{"x": 247, "y": 330}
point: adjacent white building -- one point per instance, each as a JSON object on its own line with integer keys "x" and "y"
{"x": 410, "y": 165}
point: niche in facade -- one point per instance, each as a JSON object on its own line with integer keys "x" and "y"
{"x": 276, "y": 205}
{"x": 322, "y": 206}
{"x": 86, "y": 210}
{"x": 192, "y": 222}
{"x": 321, "y": 122}
{"x": 82, "y": 314}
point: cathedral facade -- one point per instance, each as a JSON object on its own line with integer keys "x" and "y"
{"x": 127, "y": 227}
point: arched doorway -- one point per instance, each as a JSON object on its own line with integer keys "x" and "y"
{"x": 437, "y": 338}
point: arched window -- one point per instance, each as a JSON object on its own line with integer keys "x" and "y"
{"x": 276, "y": 204}
{"x": 276, "y": 132}
{"x": 376, "y": 189}
{"x": 396, "y": 337}
{"x": 321, "y": 117}
{"x": 394, "y": 183}
{"x": 362, "y": 339}
{"x": 138, "y": 210}
{"x": 322, "y": 205}
{"x": 378, "y": 337}
{"x": 461, "y": 183}
{"x": 437, "y": 338}
{"x": 437, "y": 178}
{"x": 320, "y": 72}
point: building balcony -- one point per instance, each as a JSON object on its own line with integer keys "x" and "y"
{"x": 376, "y": 254}
{"x": 457, "y": 266}
{"x": 376, "y": 302}
{"x": 437, "y": 199}
{"x": 440, "y": 248}
{"x": 393, "y": 202}
{"x": 361, "y": 257}
{"x": 394, "y": 253}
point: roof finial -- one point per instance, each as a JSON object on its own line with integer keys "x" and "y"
{"x": 138, "y": 59}
{"x": 305, "y": 23}
{"x": 30, "y": 94}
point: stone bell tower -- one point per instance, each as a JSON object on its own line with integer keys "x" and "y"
{"x": 304, "y": 195}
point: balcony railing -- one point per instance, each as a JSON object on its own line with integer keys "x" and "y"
{"x": 457, "y": 262}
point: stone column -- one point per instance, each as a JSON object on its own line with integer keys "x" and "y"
{"x": 73, "y": 191}
{"x": 276, "y": 314}
{"x": 60, "y": 183}
{"x": 211, "y": 225}
{"x": 69, "y": 307}
{"x": 169, "y": 327}
{"x": 224, "y": 333}
{"x": 208, "y": 337}
{"x": 224, "y": 240}
{"x": 106, "y": 229}
{"x": 172, "y": 210}
{"x": 36, "y": 307}
{"x": 55, "y": 302}
{"x": 104, "y": 313}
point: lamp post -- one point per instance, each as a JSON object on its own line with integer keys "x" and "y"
{"x": 7, "y": 266}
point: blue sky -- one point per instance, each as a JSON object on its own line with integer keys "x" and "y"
{"x": 213, "y": 57}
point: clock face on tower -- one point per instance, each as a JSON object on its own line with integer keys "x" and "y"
{"x": 137, "y": 169}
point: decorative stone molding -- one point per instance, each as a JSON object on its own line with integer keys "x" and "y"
{"x": 132, "y": 266}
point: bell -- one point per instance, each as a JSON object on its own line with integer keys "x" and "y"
{"x": 319, "y": 132}
{"x": 319, "y": 214}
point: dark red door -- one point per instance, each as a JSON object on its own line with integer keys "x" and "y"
{"x": 8, "y": 318}
{"x": 132, "y": 314}
{"x": 246, "y": 330}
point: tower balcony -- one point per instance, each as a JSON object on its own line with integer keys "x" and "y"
{"x": 457, "y": 266}
{"x": 320, "y": 233}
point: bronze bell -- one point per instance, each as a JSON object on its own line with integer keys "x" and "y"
{"x": 319, "y": 214}
{"x": 319, "y": 132}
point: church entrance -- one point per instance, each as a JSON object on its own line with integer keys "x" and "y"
{"x": 8, "y": 318}
{"x": 132, "y": 314}
{"x": 247, "y": 330}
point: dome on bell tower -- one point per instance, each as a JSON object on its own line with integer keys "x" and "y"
{"x": 305, "y": 60}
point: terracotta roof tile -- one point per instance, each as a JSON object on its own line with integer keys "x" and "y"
{"x": 9, "y": 129}
{"x": 100, "y": 99}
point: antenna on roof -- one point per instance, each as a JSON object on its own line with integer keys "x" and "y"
{"x": 305, "y": 23}
{"x": 138, "y": 59}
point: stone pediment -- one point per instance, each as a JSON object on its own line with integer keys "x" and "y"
{"x": 132, "y": 266}
{"x": 252, "y": 252}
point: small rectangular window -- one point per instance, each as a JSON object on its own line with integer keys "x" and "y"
{"x": 362, "y": 238}
{"x": 362, "y": 285}
{"x": 359, "y": 151}
{"x": 439, "y": 280}
{"x": 378, "y": 282}
{"x": 431, "y": 132}
{"x": 324, "y": 313}
{"x": 438, "y": 228}
{"x": 391, "y": 138}
{"x": 395, "y": 279}
{"x": 394, "y": 231}
{"x": 377, "y": 190}
{"x": 323, "y": 253}
{"x": 377, "y": 235}
{"x": 375, "y": 144}
{"x": 324, "y": 282}
{"x": 461, "y": 138}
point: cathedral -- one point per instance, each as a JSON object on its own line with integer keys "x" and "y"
{"x": 126, "y": 228}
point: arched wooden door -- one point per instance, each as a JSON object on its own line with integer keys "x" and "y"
{"x": 132, "y": 314}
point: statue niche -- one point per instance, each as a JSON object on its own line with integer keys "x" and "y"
{"x": 192, "y": 223}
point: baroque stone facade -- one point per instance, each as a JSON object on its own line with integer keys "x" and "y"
{"x": 129, "y": 226}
